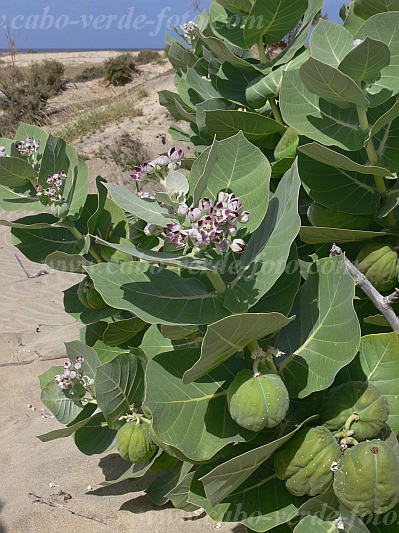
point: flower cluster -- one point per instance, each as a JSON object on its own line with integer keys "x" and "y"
{"x": 53, "y": 191}
{"x": 28, "y": 148}
{"x": 190, "y": 31}
{"x": 73, "y": 376}
{"x": 159, "y": 166}
{"x": 2, "y": 151}
{"x": 211, "y": 224}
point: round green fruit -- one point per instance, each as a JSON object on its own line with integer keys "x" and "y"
{"x": 257, "y": 402}
{"x": 355, "y": 397}
{"x": 378, "y": 262}
{"x": 305, "y": 461}
{"x": 323, "y": 217}
{"x": 367, "y": 480}
{"x": 89, "y": 297}
{"x": 134, "y": 443}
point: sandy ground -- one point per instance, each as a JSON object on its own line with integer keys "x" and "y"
{"x": 33, "y": 328}
{"x": 68, "y": 58}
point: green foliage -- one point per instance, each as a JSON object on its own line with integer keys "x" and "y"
{"x": 91, "y": 73}
{"x": 218, "y": 319}
{"x": 120, "y": 70}
{"x": 147, "y": 56}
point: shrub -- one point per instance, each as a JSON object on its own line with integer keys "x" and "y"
{"x": 120, "y": 70}
{"x": 220, "y": 274}
{"x": 50, "y": 73}
{"x": 91, "y": 73}
{"x": 147, "y": 56}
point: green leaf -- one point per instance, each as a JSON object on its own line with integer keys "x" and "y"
{"x": 339, "y": 189}
{"x": 236, "y": 6}
{"x": 325, "y": 336}
{"x": 68, "y": 262}
{"x": 147, "y": 210}
{"x": 229, "y": 336}
{"x": 49, "y": 375}
{"x": 221, "y": 51}
{"x": 367, "y": 8}
{"x": 64, "y": 407}
{"x": 330, "y": 43}
{"x": 180, "y": 57}
{"x": 174, "y": 104}
{"x": 385, "y": 119}
{"x": 256, "y": 128}
{"x": 287, "y": 145}
{"x": 119, "y": 384}
{"x": 167, "y": 481}
{"x": 227, "y": 25}
{"x": 329, "y": 157}
{"x": 136, "y": 470}
{"x": 37, "y": 244}
{"x": 331, "y": 84}
{"x": 15, "y": 172}
{"x": 177, "y": 333}
{"x": 313, "y": 524}
{"x": 232, "y": 82}
{"x": 54, "y": 160}
{"x": 261, "y": 503}
{"x": 69, "y": 430}
{"x": 281, "y": 296}
{"x": 225, "y": 478}
{"x": 318, "y": 119}
{"x": 91, "y": 361}
{"x": 108, "y": 353}
{"x": 213, "y": 104}
{"x": 234, "y": 164}
{"x": 265, "y": 257}
{"x": 117, "y": 333}
{"x": 201, "y": 86}
{"x": 385, "y": 28}
{"x": 314, "y": 235}
{"x": 272, "y": 20}
{"x": 95, "y": 437}
{"x": 365, "y": 61}
{"x": 20, "y": 199}
{"x": 380, "y": 364}
{"x": 155, "y": 341}
{"x": 157, "y": 295}
{"x": 173, "y": 259}
{"x": 192, "y": 418}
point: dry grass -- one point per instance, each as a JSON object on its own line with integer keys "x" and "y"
{"x": 81, "y": 124}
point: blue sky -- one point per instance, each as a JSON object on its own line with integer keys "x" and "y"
{"x": 99, "y": 23}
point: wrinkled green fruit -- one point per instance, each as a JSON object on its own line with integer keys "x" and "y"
{"x": 323, "y": 217}
{"x": 355, "y": 397}
{"x": 60, "y": 210}
{"x": 367, "y": 480}
{"x": 134, "y": 443}
{"x": 305, "y": 461}
{"x": 378, "y": 262}
{"x": 164, "y": 462}
{"x": 89, "y": 297}
{"x": 257, "y": 402}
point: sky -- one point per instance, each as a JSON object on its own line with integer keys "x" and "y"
{"x": 104, "y": 24}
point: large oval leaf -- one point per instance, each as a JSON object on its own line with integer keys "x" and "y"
{"x": 192, "y": 418}
{"x": 157, "y": 295}
{"x": 325, "y": 336}
{"x": 265, "y": 257}
{"x": 229, "y": 336}
{"x": 330, "y": 43}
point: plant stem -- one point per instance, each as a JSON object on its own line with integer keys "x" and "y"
{"x": 382, "y": 303}
{"x": 76, "y": 233}
{"x": 217, "y": 281}
{"x": 261, "y": 49}
{"x": 373, "y": 158}
{"x": 276, "y": 111}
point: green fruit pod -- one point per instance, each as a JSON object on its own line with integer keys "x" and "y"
{"x": 355, "y": 397}
{"x": 378, "y": 262}
{"x": 257, "y": 402}
{"x": 134, "y": 443}
{"x": 89, "y": 296}
{"x": 324, "y": 217}
{"x": 367, "y": 480}
{"x": 304, "y": 462}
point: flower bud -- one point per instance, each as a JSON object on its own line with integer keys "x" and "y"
{"x": 194, "y": 214}
{"x": 205, "y": 205}
{"x": 244, "y": 217}
{"x": 238, "y": 246}
{"x": 175, "y": 155}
